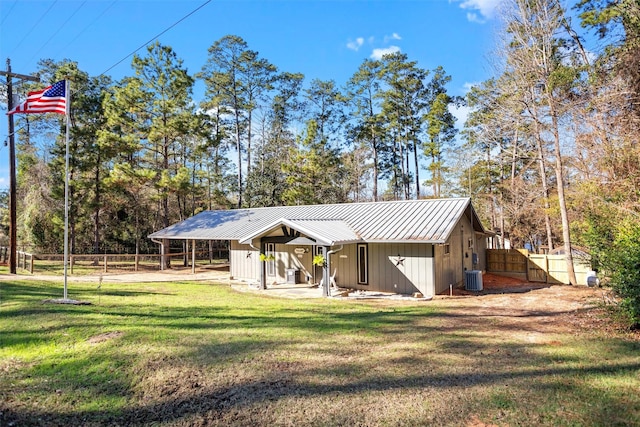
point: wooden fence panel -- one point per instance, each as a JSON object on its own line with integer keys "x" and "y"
{"x": 507, "y": 260}
{"x": 496, "y": 259}
{"x": 537, "y": 267}
{"x": 558, "y": 269}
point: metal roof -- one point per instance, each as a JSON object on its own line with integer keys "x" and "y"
{"x": 429, "y": 220}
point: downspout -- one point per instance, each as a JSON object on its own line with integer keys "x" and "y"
{"x": 161, "y": 253}
{"x": 263, "y": 282}
{"x": 326, "y": 292}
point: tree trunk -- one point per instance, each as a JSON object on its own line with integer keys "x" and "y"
{"x": 375, "y": 172}
{"x": 239, "y": 147}
{"x": 416, "y": 164}
{"x": 566, "y": 232}
{"x": 543, "y": 175}
{"x": 96, "y": 219}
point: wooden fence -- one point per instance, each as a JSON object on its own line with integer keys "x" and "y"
{"x": 535, "y": 267}
{"x": 110, "y": 262}
{"x": 25, "y": 261}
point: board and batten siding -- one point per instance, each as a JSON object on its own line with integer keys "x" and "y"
{"x": 243, "y": 266}
{"x": 403, "y": 268}
{"x": 461, "y": 246}
{"x": 481, "y": 250}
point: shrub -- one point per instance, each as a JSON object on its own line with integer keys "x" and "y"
{"x": 616, "y": 254}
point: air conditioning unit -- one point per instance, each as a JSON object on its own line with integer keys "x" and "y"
{"x": 473, "y": 280}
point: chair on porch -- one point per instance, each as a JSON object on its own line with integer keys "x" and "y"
{"x": 332, "y": 279}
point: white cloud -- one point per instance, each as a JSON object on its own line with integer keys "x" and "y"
{"x": 380, "y": 52}
{"x": 473, "y": 17}
{"x": 460, "y": 113}
{"x": 468, "y": 85}
{"x": 356, "y": 44}
{"x": 486, "y": 9}
{"x": 394, "y": 36}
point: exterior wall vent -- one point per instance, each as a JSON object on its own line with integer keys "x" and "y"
{"x": 473, "y": 280}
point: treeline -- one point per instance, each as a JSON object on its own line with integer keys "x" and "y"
{"x": 144, "y": 154}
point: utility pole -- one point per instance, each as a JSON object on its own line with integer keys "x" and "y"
{"x": 12, "y": 166}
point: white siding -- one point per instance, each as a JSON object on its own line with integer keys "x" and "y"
{"x": 244, "y": 262}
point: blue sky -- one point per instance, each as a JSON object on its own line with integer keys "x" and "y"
{"x": 323, "y": 39}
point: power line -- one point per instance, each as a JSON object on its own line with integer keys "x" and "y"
{"x": 9, "y": 13}
{"x": 90, "y": 24}
{"x": 58, "y": 30}
{"x": 34, "y": 26}
{"x": 155, "y": 37}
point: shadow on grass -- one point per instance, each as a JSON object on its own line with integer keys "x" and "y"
{"x": 12, "y": 291}
{"x": 265, "y": 390}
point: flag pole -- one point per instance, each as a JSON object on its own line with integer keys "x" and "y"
{"x": 67, "y": 94}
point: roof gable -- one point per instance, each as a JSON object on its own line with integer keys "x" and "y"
{"x": 326, "y": 232}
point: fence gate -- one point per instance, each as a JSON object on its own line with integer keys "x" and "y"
{"x": 537, "y": 267}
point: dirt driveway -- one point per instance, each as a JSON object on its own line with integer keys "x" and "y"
{"x": 529, "y": 310}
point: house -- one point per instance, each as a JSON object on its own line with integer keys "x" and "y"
{"x": 398, "y": 246}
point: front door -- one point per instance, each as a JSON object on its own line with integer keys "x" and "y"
{"x": 270, "y": 252}
{"x": 318, "y": 269}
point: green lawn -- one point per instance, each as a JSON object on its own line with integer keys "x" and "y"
{"x": 203, "y": 354}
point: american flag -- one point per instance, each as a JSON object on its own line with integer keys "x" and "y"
{"x": 49, "y": 100}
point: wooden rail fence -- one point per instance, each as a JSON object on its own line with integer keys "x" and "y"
{"x": 21, "y": 258}
{"x": 106, "y": 262}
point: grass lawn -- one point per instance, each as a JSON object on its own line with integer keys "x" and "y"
{"x": 203, "y": 354}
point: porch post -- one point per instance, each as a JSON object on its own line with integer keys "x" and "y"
{"x": 193, "y": 256}
{"x": 263, "y": 265}
{"x": 166, "y": 251}
{"x": 162, "y": 256}
{"x": 326, "y": 268}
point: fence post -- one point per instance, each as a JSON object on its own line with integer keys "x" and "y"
{"x": 135, "y": 267}
{"x": 70, "y": 264}
{"x": 546, "y": 268}
{"x": 31, "y": 265}
{"x": 105, "y": 263}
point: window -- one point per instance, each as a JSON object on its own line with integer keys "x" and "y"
{"x": 271, "y": 263}
{"x": 470, "y": 243}
{"x": 363, "y": 264}
{"x": 446, "y": 249}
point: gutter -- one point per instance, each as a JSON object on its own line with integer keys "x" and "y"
{"x": 161, "y": 252}
{"x": 326, "y": 289}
